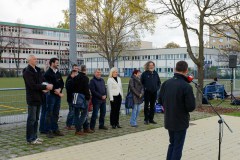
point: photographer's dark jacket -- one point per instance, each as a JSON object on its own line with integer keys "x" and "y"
{"x": 150, "y": 81}
{"x": 33, "y": 81}
{"x": 176, "y": 96}
{"x": 55, "y": 79}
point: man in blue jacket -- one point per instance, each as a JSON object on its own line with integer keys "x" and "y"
{"x": 99, "y": 95}
{"x": 151, "y": 84}
{"x": 176, "y": 95}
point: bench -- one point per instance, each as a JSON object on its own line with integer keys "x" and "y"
{"x": 212, "y": 91}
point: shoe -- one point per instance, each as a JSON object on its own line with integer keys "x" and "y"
{"x": 134, "y": 125}
{"x": 103, "y": 127}
{"x": 113, "y": 127}
{"x": 35, "y": 142}
{"x": 80, "y": 133}
{"x": 50, "y": 135}
{"x": 153, "y": 122}
{"x": 118, "y": 126}
{"x": 39, "y": 139}
{"x": 58, "y": 133}
{"x": 146, "y": 122}
{"x": 88, "y": 131}
{"x": 43, "y": 132}
{"x": 69, "y": 128}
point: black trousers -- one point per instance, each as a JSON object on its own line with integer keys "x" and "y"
{"x": 149, "y": 98}
{"x": 115, "y": 109}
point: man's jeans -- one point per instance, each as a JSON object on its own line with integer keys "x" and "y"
{"x": 70, "y": 116}
{"x": 32, "y": 123}
{"x": 80, "y": 120}
{"x": 52, "y": 113}
{"x": 96, "y": 107}
{"x": 135, "y": 111}
{"x": 176, "y": 139}
{"x": 42, "y": 127}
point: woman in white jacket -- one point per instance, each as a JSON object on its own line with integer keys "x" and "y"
{"x": 115, "y": 94}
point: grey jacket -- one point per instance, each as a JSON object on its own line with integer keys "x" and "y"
{"x": 136, "y": 88}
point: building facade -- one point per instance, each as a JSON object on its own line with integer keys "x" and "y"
{"x": 164, "y": 59}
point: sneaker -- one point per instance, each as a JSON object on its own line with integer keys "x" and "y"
{"x": 80, "y": 133}
{"x": 39, "y": 139}
{"x": 35, "y": 142}
{"x": 153, "y": 122}
{"x": 50, "y": 135}
{"x": 88, "y": 131}
{"x": 58, "y": 133}
{"x": 103, "y": 127}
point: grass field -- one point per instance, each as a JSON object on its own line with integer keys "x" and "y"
{"x": 14, "y": 101}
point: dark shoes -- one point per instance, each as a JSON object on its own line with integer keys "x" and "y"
{"x": 50, "y": 135}
{"x": 118, "y": 126}
{"x": 80, "y": 133}
{"x": 103, "y": 127}
{"x": 70, "y": 128}
{"x": 58, "y": 133}
{"x": 153, "y": 122}
{"x": 113, "y": 127}
{"x": 146, "y": 122}
{"x": 88, "y": 130}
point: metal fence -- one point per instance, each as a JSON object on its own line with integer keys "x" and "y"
{"x": 13, "y": 107}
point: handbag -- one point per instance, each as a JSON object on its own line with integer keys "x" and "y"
{"x": 79, "y": 101}
{"x": 129, "y": 99}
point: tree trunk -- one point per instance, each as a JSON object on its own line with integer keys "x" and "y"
{"x": 110, "y": 63}
{"x": 200, "y": 82}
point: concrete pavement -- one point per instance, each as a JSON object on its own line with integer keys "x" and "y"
{"x": 201, "y": 144}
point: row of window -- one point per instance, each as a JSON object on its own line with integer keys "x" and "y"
{"x": 144, "y": 57}
{"x": 41, "y": 51}
{"x": 56, "y": 33}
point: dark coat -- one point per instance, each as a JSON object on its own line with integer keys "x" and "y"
{"x": 81, "y": 85}
{"x": 136, "y": 88}
{"x": 176, "y": 96}
{"x": 33, "y": 82}
{"x": 69, "y": 88}
{"x": 98, "y": 89}
{"x": 55, "y": 79}
{"x": 150, "y": 81}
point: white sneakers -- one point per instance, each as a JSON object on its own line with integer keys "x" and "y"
{"x": 37, "y": 141}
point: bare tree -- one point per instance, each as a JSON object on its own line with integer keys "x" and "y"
{"x": 112, "y": 25}
{"x": 194, "y": 16}
{"x": 17, "y": 41}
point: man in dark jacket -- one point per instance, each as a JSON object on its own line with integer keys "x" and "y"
{"x": 34, "y": 94}
{"x": 99, "y": 95}
{"x": 176, "y": 96}
{"x": 151, "y": 83}
{"x": 69, "y": 89}
{"x": 81, "y": 85}
{"x": 53, "y": 76}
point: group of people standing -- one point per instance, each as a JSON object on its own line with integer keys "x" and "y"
{"x": 45, "y": 91}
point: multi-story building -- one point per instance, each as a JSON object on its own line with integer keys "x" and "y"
{"x": 44, "y": 42}
{"x": 220, "y": 37}
{"x": 164, "y": 59}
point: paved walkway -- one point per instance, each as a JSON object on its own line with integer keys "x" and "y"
{"x": 201, "y": 144}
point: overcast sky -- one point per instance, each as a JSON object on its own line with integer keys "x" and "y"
{"x": 49, "y": 13}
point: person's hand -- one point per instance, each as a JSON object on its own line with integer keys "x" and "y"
{"x": 45, "y": 91}
{"x": 140, "y": 96}
{"x": 49, "y": 87}
{"x": 60, "y": 94}
{"x": 57, "y": 91}
{"x": 104, "y": 97}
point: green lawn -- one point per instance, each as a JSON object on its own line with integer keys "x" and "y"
{"x": 237, "y": 114}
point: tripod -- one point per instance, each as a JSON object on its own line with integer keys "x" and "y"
{"x": 220, "y": 122}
